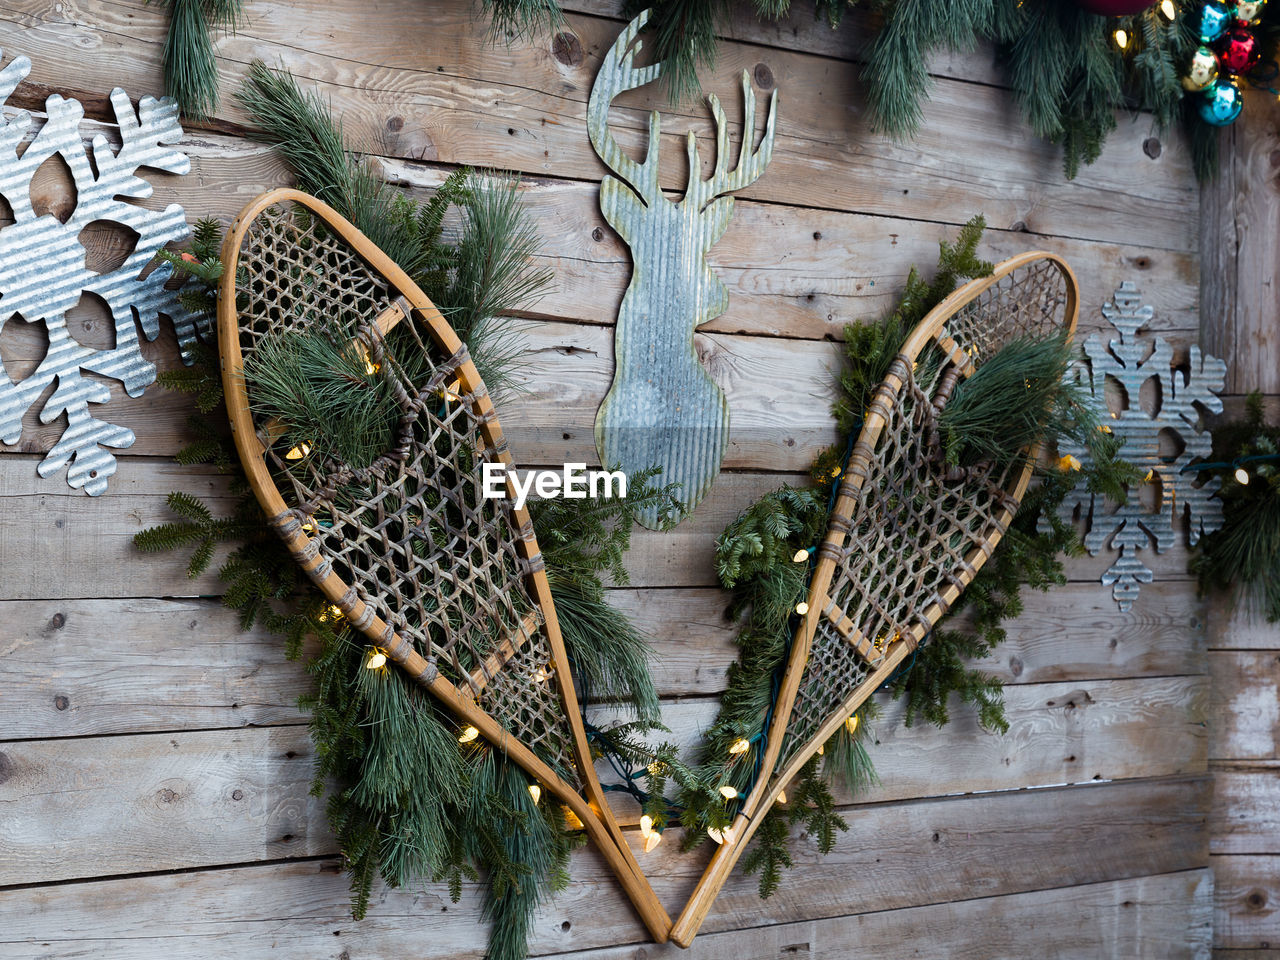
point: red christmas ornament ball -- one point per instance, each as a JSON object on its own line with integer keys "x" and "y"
{"x": 1237, "y": 51}
{"x": 1115, "y": 8}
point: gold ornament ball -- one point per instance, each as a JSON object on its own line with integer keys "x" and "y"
{"x": 1249, "y": 12}
{"x": 1203, "y": 70}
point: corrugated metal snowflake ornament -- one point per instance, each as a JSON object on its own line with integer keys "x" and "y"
{"x": 1131, "y": 362}
{"x": 43, "y": 270}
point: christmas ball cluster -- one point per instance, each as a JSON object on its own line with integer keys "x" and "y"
{"x": 1228, "y": 50}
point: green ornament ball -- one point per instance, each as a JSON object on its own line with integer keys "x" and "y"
{"x": 1202, "y": 72}
{"x": 1222, "y": 103}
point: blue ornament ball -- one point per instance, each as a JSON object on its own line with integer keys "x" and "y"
{"x": 1215, "y": 18}
{"x": 1222, "y": 103}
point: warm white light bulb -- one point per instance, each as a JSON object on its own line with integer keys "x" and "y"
{"x": 728, "y": 792}
{"x": 1242, "y": 476}
{"x": 721, "y": 836}
{"x": 1168, "y": 9}
{"x": 298, "y": 452}
{"x": 652, "y": 840}
{"x": 740, "y": 745}
{"x": 1122, "y": 38}
{"x": 801, "y": 556}
{"x": 782, "y": 797}
{"x": 802, "y": 608}
{"x": 852, "y": 724}
{"x": 646, "y": 825}
{"x": 468, "y": 735}
{"x": 376, "y": 660}
{"x": 535, "y": 791}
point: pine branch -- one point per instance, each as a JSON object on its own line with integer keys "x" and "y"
{"x": 190, "y": 69}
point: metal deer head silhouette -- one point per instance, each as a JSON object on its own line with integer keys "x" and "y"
{"x": 663, "y": 409}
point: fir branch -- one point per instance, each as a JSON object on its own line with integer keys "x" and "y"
{"x": 770, "y": 854}
{"x": 1244, "y": 553}
{"x": 813, "y": 805}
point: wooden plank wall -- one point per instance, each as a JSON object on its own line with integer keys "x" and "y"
{"x": 1241, "y": 253}
{"x": 154, "y": 771}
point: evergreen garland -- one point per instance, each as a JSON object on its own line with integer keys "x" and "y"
{"x": 763, "y": 555}
{"x": 412, "y": 801}
{"x": 1244, "y": 553}
{"x": 1067, "y": 71}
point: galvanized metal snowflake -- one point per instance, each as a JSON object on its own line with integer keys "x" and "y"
{"x": 43, "y": 269}
{"x": 1173, "y": 409}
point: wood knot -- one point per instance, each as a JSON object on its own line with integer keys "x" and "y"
{"x": 1151, "y": 147}
{"x": 6, "y": 767}
{"x": 763, "y": 76}
{"x": 1256, "y": 899}
{"x": 60, "y": 702}
{"x": 395, "y": 124}
{"x": 1015, "y": 666}
{"x": 58, "y": 621}
{"x": 567, "y": 49}
{"x": 237, "y": 794}
{"x": 597, "y": 234}
{"x": 167, "y": 796}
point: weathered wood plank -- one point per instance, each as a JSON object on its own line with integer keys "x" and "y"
{"x": 773, "y": 388}
{"x": 1240, "y": 212}
{"x": 1040, "y": 839}
{"x": 120, "y": 804}
{"x": 809, "y": 296}
{"x": 1233, "y": 624}
{"x": 297, "y": 910}
{"x": 62, "y": 544}
{"x": 834, "y": 267}
{"x": 1245, "y": 715}
{"x": 439, "y": 91}
{"x": 1245, "y": 817}
{"x": 837, "y": 266}
{"x": 1059, "y": 733}
{"x": 1246, "y": 912}
{"x": 893, "y": 856}
{"x": 82, "y": 667}
{"x": 96, "y": 806}
{"x": 1161, "y": 917}
{"x": 56, "y": 542}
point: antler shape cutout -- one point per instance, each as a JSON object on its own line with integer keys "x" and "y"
{"x": 663, "y": 408}
{"x": 447, "y": 582}
{"x": 906, "y": 535}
